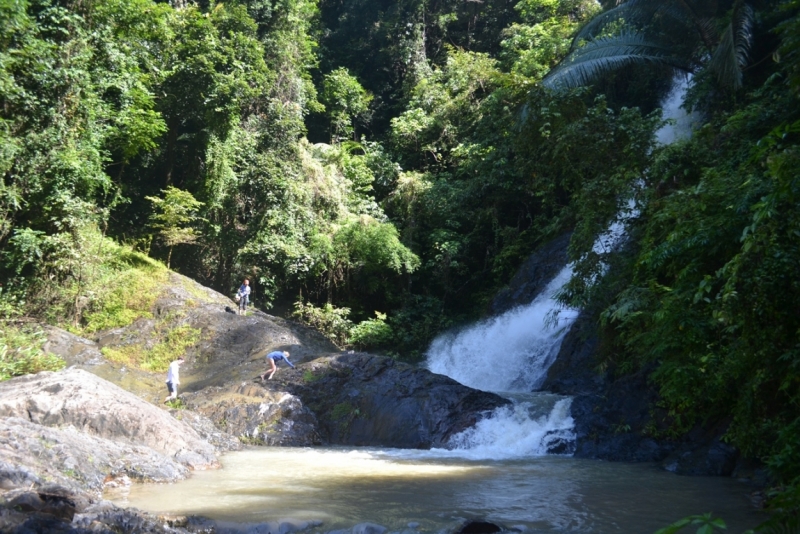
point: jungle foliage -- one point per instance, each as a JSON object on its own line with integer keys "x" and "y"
{"x": 385, "y": 166}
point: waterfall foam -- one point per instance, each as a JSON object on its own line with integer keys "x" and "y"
{"x": 510, "y": 352}
{"x": 681, "y": 122}
{"x": 520, "y": 430}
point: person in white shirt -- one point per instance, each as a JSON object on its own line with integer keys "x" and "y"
{"x": 173, "y": 379}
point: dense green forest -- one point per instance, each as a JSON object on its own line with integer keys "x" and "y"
{"x": 381, "y": 168}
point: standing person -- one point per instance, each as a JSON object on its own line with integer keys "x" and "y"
{"x": 244, "y": 296}
{"x": 276, "y": 356}
{"x": 173, "y": 379}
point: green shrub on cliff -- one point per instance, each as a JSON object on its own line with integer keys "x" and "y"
{"x": 21, "y": 353}
{"x": 123, "y": 296}
{"x": 172, "y": 344}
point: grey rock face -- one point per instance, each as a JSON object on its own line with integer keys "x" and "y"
{"x": 94, "y": 406}
{"x": 366, "y": 400}
{"x": 75, "y": 459}
{"x": 258, "y": 416}
{"x": 208, "y": 431}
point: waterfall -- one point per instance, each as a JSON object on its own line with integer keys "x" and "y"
{"x": 513, "y": 351}
{"x": 510, "y": 352}
{"x": 680, "y": 122}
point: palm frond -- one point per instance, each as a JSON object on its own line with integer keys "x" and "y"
{"x": 708, "y": 31}
{"x": 626, "y": 11}
{"x": 633, "y": 12}
{"x": 731, "y": 55}
{"x": 693, "y": 15}
{"x": 604, "y": 55}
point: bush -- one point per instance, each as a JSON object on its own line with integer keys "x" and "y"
{"x": 122, "y": 297}
{"x": 157, "y": 359}
{"x": 21, "y": 353}
{"x": 331, "y": 321}
{"x": 372, "y": 333}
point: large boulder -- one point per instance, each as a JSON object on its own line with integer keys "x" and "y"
{"x": 257, "y": 415}
{"x": 78, "y": 399}
{"x": 231, "y": 348}
{"x": 366, "y": 400}
{"x": 77, "y": 460}
{"x": 346, "y": 399}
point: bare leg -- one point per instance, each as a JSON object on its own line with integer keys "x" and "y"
{"x": 173, "y": 393}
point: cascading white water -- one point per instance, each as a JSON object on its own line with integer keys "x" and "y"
{"x": 512, "y": 352}
{"x": 519, "y": 430}
{"x": 680, "y": 121}
{"x": 507, "y": 353}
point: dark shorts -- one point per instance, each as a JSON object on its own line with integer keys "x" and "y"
{"x": 170, "y": 387}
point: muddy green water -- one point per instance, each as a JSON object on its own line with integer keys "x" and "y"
{"x": 343, "y": 487}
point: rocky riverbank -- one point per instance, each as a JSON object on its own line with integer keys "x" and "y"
{"x": 65, "y": 437}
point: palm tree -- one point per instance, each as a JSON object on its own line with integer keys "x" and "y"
{"x": 681, "y": 34}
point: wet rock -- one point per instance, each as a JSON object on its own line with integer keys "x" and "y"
{"x": 752, "y": 472}
{"x": 715, "y": 458}
{"x": 574, "y": 371}
{"x": 532, "y": 276}
{"x": 52, "y": 508}
{"x": 397, "y": 405}
{"x": 105, "y": 517}
{"x": 258, "y": 416}
{"x": 286, "y": 526}
{"x": 78, "y": 399}
{"x": 368, "y": 528}
{"x": 611, "y": 423}
{"x": 615, "y": 416}
{"x": 57, "y": 503}
{"x": 348, "y": 399}
{"x": 478, "y": 527}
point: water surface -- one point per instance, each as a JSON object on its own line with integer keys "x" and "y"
{"x": 438, "y": 489}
